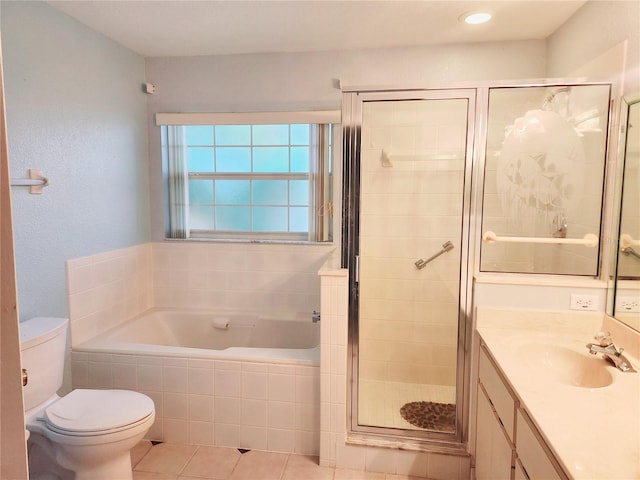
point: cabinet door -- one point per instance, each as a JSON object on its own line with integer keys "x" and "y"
{"x": 494, "y": 454}
{"x": 533, "y": 455}
{"x": 520, "y": 475}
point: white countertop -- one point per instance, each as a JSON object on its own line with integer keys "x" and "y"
{"x": 594, "y": 432}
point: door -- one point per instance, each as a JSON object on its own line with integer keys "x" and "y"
{"x": 409, "y": 210}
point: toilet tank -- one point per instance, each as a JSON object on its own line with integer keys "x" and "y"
{"x": 42, "y": 342}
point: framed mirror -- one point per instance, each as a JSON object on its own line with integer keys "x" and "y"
{"x": 626, "y": 299}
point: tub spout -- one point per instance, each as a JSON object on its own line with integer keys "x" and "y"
{"x": 315, "y": 317}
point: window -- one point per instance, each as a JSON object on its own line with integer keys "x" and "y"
{"x": 255, "y": 181}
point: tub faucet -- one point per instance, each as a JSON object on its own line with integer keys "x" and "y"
{"x": 610, "y": 352}
{"x": 315, "y": 317}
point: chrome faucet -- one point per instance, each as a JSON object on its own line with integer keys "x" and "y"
{"x": 610, "y": 352}
{"x": 315, "y": 316}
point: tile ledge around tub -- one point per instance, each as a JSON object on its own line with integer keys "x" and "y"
{"x": 332, "y": 267}
{"x": 539, "y": 280}
{"x": 341, "y": 272}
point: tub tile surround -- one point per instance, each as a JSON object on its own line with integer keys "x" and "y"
{"x": 574, "y": 421}
{"x": 336, "y": 448}
{"x": 106, "y": 289}
{"x": 262, "y": 406}
{"x": 260, "y": 277}
{"x": 217, "y": 403}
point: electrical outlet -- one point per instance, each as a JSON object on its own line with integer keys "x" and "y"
{"x": 584, "y": 302}
{"x": 628, "y": 304}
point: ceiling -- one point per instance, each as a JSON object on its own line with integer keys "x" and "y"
{"x": 185, "y": 28}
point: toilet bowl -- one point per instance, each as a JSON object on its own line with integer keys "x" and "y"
{"x": 86, "y": 434}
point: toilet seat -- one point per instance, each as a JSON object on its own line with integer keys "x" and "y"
{"x": 85, "y": 412}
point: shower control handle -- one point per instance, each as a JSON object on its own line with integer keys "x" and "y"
{"x": 420, "y": 264}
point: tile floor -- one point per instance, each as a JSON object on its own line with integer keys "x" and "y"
{"x": 167, "y": 461}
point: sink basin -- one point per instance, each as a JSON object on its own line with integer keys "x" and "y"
{"x": 567, "y": 366}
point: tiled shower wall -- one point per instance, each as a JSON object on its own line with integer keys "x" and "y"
{"x": 409, "y": 317}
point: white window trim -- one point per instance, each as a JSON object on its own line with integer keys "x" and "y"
{"x": 249, "y": 118}
{"x": 261, "y": 118}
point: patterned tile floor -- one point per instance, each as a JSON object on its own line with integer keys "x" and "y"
{"x": 166, "y": 461}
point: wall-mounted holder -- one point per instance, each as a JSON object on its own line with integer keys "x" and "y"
{"x": 589, "y": 240}
{"x": 36, "y": 182}
{"x": 438, "y": 161}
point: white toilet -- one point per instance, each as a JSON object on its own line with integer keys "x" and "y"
{"x": 87, "y": 434}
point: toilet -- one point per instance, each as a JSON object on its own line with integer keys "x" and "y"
{"x": 86, "y": 434}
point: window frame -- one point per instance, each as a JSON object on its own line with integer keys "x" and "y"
{"x": 319, "y": 176}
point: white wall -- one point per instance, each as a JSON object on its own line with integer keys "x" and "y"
{"x": 75, "y": 110}
{"x": 595, "y": 29}
{"x": 271, "y": 82}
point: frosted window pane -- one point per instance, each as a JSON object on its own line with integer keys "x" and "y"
{"x": 201, "y": 217}
{"x": 271, "y": 134}
{"x": 199, "y": 134}
{"x": 232, "y": 192}
{"x": 233, "y": 218}
{"x": 300, "y": 159}
{"x": 200, "y": 159}
{"x": 270, "y": 219}
{"x": 299, "y": 134}
{"x": 299, "y": 192}
{"x": 271, "y": 159}
{"x": 233, "y": 159}
{"x": 233, "y": 135}
{"x": 299, "y": 219}
{"x": 200, "y": 191}
{"x": 270, "y": 192}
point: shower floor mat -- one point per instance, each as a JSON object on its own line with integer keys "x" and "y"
{"x": 430, "y": 415}
{"x": 379, "y": 402}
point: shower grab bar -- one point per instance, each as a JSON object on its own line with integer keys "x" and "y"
{"x": 630, "y": 251}
{"x": 589, "y": 240}
{"x": 36, "y": 181}
{"x": 626, "y": 245}
{"x": 627, "y": 240}
{"x": 420, "y": 264}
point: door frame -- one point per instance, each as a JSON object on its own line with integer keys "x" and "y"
{"x": 352, "y": 135}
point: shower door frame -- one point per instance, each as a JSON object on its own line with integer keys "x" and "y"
{"x": 352, "y": 135}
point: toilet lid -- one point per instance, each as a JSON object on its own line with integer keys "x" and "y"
{"x": 97, "y": 410}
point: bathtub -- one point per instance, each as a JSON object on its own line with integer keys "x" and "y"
{"x": 214, "y": 335}
{"x": 236, "y": 380}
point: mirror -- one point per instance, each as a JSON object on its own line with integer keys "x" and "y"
{"x": 626, "y": 307}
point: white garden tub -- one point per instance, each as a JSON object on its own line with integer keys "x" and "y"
{"x": 216, "y": 378}
{"x": 213, "y": 335}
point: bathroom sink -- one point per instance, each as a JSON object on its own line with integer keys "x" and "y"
{"x": 565, "y": 365}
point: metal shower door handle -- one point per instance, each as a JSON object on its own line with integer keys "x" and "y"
{"x": 420, "y": 264}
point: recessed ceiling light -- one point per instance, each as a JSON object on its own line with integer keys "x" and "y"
{"x": 475, "y": 18}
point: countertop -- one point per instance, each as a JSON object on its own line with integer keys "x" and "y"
{"x": 593, "y": 432}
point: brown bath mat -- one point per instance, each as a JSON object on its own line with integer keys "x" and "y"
{"x": 430, "y": 415}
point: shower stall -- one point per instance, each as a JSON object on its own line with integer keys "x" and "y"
{"x": 420, "y": 187}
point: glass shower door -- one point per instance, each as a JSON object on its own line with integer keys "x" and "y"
{"x": 411, "y": 281}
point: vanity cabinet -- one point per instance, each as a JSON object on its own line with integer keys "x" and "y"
{"x": 508, "y": 445}
{"x": 494, "y": 452}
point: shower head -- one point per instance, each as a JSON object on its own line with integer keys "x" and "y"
{"x": 551, "y": 97}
